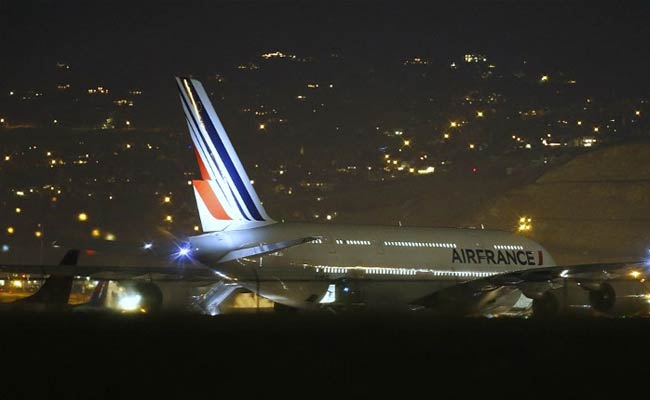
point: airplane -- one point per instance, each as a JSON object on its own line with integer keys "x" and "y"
{"x": 309, "y": 266}
{"x": 54, "y": 294}
{"x": 327, "y": 266}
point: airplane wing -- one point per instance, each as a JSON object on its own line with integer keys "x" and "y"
{"x": 475, "y": 296}
{"x": 112, "y": 272}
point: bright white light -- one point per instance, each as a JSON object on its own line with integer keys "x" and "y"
{"x": 564, "y": 274}
{"x": 330, "y": 295}
{"x": 147, "y": 246}
{"x": 183, "y": 252}
{"x": 129, "y": 303}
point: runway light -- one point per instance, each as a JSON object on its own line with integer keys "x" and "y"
{"x": 82, "y": 217}
{"x": 129, "y": 302}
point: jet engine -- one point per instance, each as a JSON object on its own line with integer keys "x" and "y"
{"x": 620, "y": 298}
{"x": 624, "y": 298}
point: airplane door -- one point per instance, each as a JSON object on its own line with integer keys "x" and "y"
{"x": 380, "y": 246}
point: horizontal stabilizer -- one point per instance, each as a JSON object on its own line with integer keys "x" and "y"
{"x": 264, "y": 248}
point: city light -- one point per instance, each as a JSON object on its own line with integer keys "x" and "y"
{"x": 453, "y": 124}
{"x": 525, "y": 224}
{"x": 82, "y": 217}
{"x": 637, "y": 113}
{"x": 167, "y": 199}
{"x": 544, "y": 78}
{"x": 96, "y": 233}
{"x": 262, "y": 127}
{"x": 427, "y": 170}
{"x": 38, "y": 234}
{"x": 196, "y": 228}
{"x": 110, "y": 237}
{"x": 479, "y": 114}
{"x": 18, "y": 210}
{"x": 407, "y": 142}
{"x": 10, "y": 230}
{"x": 147, "y": 246}
{"x": 169, "y": 218}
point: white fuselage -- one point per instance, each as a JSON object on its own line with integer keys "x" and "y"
{"x": 379, "y": 267}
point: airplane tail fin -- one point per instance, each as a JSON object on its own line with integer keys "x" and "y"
{"x": 98, "y": 297}
{"x": 225, "y": 196}
{"x": 56, "y": 289}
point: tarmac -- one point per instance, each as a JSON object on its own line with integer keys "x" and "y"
{"x": 116, "y": 356}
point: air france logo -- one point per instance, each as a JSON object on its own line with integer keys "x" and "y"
{"x": 503, "y": 257}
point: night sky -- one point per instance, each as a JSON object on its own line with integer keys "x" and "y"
{"x": 291, "y": 136}
{"x": 148, "y": 42}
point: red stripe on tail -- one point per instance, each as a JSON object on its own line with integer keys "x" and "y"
{"x": 204, "y": 171}
{"x": 211, "y": 200}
